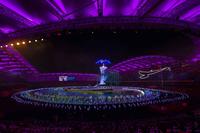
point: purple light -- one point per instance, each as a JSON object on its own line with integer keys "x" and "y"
{"x": 132, "y": 8}
{"x": 52, "y": 17}
{"x": 16, "y": 8}
{"x": 196, "y": 58}
{"x": 171, "y": 4}
{"x": 143, "y": 62}
{"x": 47, "y": 11}
{"x": 167, "y": 6}
{"x": 13, "y": 62}
{"x": 129, "y": 7}
{"x": 191, "y": 14}
{"x": 4, "y": 11}
{"x": 54, "y": 7}
{"x": 91, "y": 10}
{"x": 80, "y": 9}
{"x": 60, "y": 4}
{"x": 107, "y": 10}
{"x": 7, "y": 29}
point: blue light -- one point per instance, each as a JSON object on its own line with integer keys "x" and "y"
{"x": 103, "y": 61}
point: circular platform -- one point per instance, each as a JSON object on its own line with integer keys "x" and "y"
{"x": 96, "y": 98}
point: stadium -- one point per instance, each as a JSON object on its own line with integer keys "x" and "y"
{"x": 97, "y": 66}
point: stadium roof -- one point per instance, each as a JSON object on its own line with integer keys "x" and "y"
{"x": 17, "y": 15}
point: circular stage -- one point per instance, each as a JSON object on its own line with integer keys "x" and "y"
{"x": 96, "y": 97}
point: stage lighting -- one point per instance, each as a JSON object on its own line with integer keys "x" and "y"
{"x": 11, "y": 44}
{"x": 23, "y": 42}
{"x": 1, "y": 46}
{"x": 35, "y": 40}
{"x": 42, "y": 39}
{"x": 6, "y": 46}
{"x": 18, "y": 43}
{"x": 29, "y": 41}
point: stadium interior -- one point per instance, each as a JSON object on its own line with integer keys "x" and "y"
{"x": 98, "y": 66}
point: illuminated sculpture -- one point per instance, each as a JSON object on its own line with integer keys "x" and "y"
{"x": 103, "y": 70}
{"x": 146, "y": 74}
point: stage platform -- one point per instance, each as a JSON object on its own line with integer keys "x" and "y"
{"x": 96, "y": 97}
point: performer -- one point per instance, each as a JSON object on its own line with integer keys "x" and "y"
{"x": 103, "y": 70}
{"x": 103, "y": 76}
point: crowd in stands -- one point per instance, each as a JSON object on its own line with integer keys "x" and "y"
{"x": 182, "y": 123}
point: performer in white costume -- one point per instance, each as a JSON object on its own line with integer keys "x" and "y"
{"x": 103, "y": 70}
{"x": 103, "y": 76}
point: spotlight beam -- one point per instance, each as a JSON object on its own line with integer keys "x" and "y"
{"x": 61, "y": 6}
{"x": 149, "y": 7}
{"x": 59, "y": 13}
{"x": 167, "y": 7}
{"x": 191, "y": 14}
{"x": 4, "y": 10}
{"x": 136, "y": 4}
{"x": 80, "y": 9}
{"x": 183, "y": 8}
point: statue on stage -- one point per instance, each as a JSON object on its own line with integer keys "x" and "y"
{"x": 103, "y": 70}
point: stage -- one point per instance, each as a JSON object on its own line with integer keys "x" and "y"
{"x": 89, "y": 98}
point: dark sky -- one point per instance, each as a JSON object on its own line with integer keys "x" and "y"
{"x": 78, "y": 51}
